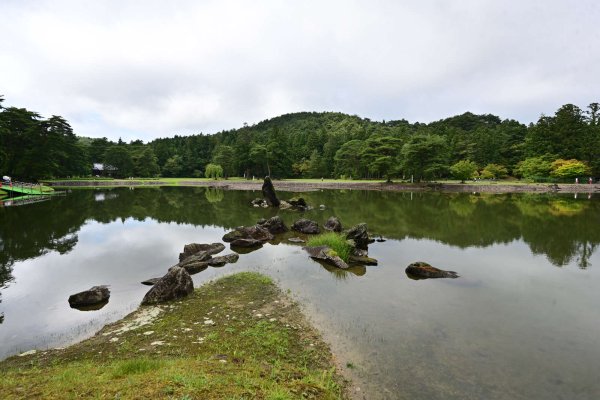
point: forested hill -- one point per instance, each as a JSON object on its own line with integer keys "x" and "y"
{"x": 315, "y": 145}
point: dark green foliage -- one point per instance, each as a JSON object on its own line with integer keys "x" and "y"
{"x": 307, "y": 145}
{"x": 424, "y": 157}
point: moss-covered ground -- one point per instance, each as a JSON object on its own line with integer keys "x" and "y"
{"x": 235, "y": 338}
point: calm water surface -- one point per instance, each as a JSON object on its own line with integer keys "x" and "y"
{"x": 522, "y": 321}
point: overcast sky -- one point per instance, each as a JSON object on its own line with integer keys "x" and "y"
{"x": 147, "y": 69}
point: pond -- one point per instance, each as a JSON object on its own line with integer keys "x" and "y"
{"x": 521, "y": 322}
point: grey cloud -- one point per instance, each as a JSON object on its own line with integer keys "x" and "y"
{"x": 122, "y": 69}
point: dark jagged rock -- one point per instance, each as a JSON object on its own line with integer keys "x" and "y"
{"x": 360, "y": 236}
{"x": 298, "y": 202}
{"x": 268, "y": 192}
{"x": 194, "y": 267}
{"x": 324, "y": 253}
{"x": 91, "y": 297}
{"x": 274, "y": 224}
{"x": 363, "y": 260}
{"x": 247, "y": 243}
{"x": 306, "y": 226}
{"x": 222, "y": 260}
{"x": 422, "y": 270}
{"x": 333, "y": 224}
{"x": 255, "y": 232}
{"x": 193, "y": 248}
{"x": 150, "y": 282}
{"x": 176, "y": 284}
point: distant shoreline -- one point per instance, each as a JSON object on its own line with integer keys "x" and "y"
{"x": 304, "y": 185}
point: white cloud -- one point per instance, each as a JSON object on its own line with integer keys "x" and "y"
{"x": 148, "y": 69}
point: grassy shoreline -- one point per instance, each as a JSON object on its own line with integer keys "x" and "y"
{"x": 508, "y": 186}
{"x": 237, "y": 337}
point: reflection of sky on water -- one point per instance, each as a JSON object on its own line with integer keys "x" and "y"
{"x": 512, "y": 326}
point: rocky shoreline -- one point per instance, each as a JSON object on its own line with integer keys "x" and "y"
{"x": 294, "y": 186}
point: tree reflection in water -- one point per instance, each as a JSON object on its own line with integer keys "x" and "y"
{"x": 558, "y": 226}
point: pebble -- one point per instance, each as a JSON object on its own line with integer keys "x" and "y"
{"x": 272, "y": 319}
{"x": 148, "y": 333}
{"x": 115, "y": 339}
{"x": 209, "y": 322}
{"x": 157, "y": 343}
{"x": 28, "y": 353}
{"x": 259, "y": 315}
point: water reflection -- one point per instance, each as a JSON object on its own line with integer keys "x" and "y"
{"x": 557, "y": 226}
{"x": 509, "y": 327}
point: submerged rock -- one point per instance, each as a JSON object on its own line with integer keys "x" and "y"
{"x": 325, "y": 253}
{"x": 255, "y": 232}
{"x": 95, "y": 296}
{"x": 363, "y": 260}
{"x": 422, "y": 270}
{"x": 273, "y": 225}
{"x": 176, "y": 284}
{"x": 222, "y": 260}
{"x": 268, "y": 192}
{"x": 248, "y": 243}
{"x": 333, "y": 224}
{"x": 298, "y": 202}
{"x": 208, "y": 248}
{"x": 306, "y": 226}
{"x": 150, "y": 282}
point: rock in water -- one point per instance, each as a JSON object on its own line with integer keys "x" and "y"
{"x": 306, "y": 226}
{"x": 422, "y": 270}
{"x": 255, "y": 232}
{"x": 298, "y": 202}
{"x": 193, "y": 248}
{"x": 176, "y": 284}
{"x": 268, "y": 192}
{"x": 246, "y": 243}
{"x": 333, "y": 224}
{"x": 325, "y": 253}
{"x": 93, "y": 296}
{"x": 360, "y": 236}
{"x": 150, "y": 282}
{"x": 274, "y": 225}
{"x": 363, "y": 260}
{"x": 222, "y": 260}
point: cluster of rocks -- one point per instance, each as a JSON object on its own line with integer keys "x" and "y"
{"x": 175, "y": 284}
{"x": 196, "y": 257}
{"x": 270, "y": 199}
{"x": 357, "y": 237}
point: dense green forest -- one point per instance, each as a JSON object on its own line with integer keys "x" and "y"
{"x": 317, "y": 145}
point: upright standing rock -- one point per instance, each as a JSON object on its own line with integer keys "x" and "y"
{"x": 268, "y": 192}
{"x": 177, "y": 283}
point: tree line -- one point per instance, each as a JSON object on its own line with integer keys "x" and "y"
{"x": 319, "y": 145}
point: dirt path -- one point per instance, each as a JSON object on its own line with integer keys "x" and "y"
{"x": 293, "y": 186}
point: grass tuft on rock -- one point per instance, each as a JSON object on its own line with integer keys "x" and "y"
{"x": 335, "y": 241}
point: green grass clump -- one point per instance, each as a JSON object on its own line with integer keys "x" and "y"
{"x": 335, "y": 241}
